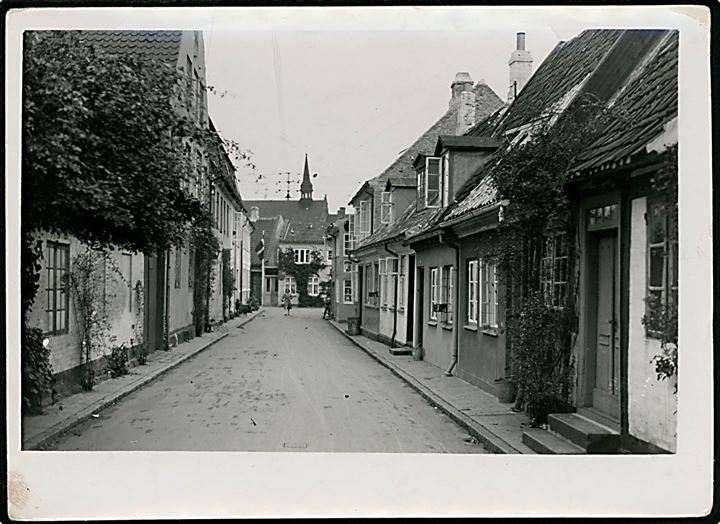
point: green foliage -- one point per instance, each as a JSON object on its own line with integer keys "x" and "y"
{"x": 206, "y": 249}
{"x": 37, "y": 372}
{"x": 117, "y": 361}
{"x": 302, "y": 273}
{"x": 541, "y": 357}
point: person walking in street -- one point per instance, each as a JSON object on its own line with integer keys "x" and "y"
{"x": 327, "y": 311}
{"x": 287, "y": 302}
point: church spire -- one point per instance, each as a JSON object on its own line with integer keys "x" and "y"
{"x": 306, "y": 188}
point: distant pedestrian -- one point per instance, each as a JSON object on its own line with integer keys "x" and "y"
{"x": 287, "y": 302}
{"x": 326, "y": 311}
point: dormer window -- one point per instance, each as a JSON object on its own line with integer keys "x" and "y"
{"x": 428, "y": 185}
{"x": 386, "y": 207}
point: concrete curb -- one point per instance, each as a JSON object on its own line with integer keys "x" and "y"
{"x": 60, "y": 428}
{"x": 490, "y": 440}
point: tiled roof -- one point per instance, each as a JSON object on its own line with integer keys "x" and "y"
{"x": 483, "y": 193}
{"x": 266, "y": 228}
{"x": 647, "y": 103}
{"x": 304, "y": 232}
{"x": 567, "y": 66}
{"x": 466, "y": 142}
{"x": 162, "y": 46}
{"x": 409, "y": 223}
{"x": 291, "y": 210}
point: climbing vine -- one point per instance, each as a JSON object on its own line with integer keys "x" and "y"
{"x": 228, "y": 282}
{"x": 206, "y": 249}
{"x": 661, "y": 318}
{"x": 302, "y": 274}
{"x": 532, "y": 175}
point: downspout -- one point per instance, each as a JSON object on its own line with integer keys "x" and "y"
{"x": 167, "y": 300}
{"x": 394, "y": 333}
{"x": 455, "y": 334}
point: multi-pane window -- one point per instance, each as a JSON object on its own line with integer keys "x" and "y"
{"x": 383, "y": 282}
{"x": 445, "y": 179}
{"x": 329, "y": 255}
{"x": 392, "y": 271}
{"x": 302, "y": 256}
{"x": 290, "y": 285}
{"x": 313, "y": 286}
{"x": 662, "y": 261}
{"x": 347, "y": 243}
{"x": 434, "y": 292}
{"x": 401, "y": 283}
{"x": 421, "y": 188}
{"x": 58, "y": 266}
{"x": 554, "y": 270}
{"x": 472, "y": 280}
{"x": 488, "y": 294}
{"x": 432, "y": 183}
{"x": 364, "y": 220}
{"x": 386, "y": 207}
{"x": 446, "y": 293}
{"x": 348, "y": 294}
{"x": 347, "y": 266}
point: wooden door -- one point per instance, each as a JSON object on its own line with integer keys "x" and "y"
{"x": 420, "y": 305}
{"x": 606, "y": 390}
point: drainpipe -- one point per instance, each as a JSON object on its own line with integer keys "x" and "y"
{"x": 392, "y": 339}
{"x": 167, "y": 299}
{"x": 455, "y": 334}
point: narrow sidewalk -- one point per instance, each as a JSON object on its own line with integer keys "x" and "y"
{"x": 38, "y": 430}
{"x": 493, "y": 423}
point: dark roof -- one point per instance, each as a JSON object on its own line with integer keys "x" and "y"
{"x": 408, "y": 224}
{"x": 466, "y": 142}
{"x": 304, "y": 232}
{"x": 565, "y": 69}
{"x": 266, "y": 228}
{"x": 401, "y": 181}
{"x": 291, "y": 210}
{"x": 648, "y": 103}
{"x": 163, "y": 46}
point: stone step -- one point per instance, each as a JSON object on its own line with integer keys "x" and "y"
{"x": 589, "y": 435}
{"x": 400, "y": 351}
{"x": 597, "y": 416}
{"x": 549, "y": 443}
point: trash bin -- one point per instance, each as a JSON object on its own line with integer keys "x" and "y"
{"x": 353, "y": 326}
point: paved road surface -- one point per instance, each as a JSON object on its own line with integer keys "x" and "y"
{"x": 277, "y": 384}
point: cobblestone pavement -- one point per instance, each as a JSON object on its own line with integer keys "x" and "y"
{"x": 277, "y": 384}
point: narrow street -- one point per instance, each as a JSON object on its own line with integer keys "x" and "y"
{"x": 277, "y": 384}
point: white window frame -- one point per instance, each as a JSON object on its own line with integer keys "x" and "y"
{"x": 488, "y": 294}
{"x": 301, "y": 255}
{"x": 401, "y": 282}
{"x": 313, "y": 286}
{"x": 383, "y": 281}
{"x": 290, "y": 285}
{"x": 348, "y": 243}
{"x": 428, "y": 161}
{"x": 386, "y": 207}
{"x": 445, "y": 179}
{"x": 434, "y": 289}
{"x": 473, "y": 289}
{"x": 329, "y": 255}
{"x": 364, "y": 220}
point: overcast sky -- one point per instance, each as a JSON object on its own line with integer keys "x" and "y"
{"x": 354, "y": 88}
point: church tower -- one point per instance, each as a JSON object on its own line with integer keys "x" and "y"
{"x": 306, "y": 188}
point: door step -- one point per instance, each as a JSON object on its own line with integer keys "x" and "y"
{"x": 585, "y": 433}
{"x": 548, "y": 443}
{"x": 400, "y": 351}
{"x": 599, "y": 417}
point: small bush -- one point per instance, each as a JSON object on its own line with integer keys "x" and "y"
{"x": 37, "y": 372}
{"x": 117, "y": 361}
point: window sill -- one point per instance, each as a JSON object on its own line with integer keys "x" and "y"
{"x": 446, "y": 326}
{"x": 470, "y": 327}
{"x": 490, "y": 331}
{"x": 432, "y": 323}
{"x": 371, "y": 306}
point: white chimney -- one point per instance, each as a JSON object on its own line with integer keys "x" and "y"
{"x": 465, "y": 112}
{"x": 254, "y": 213}
{"x": 520, "y": 68}
{"x": 462, "y": 82}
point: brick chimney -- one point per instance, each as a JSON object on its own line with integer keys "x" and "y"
{"x": 520, "y": 63}
{"x": 463, "y": 100}
{"x": 341, "y": 213}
